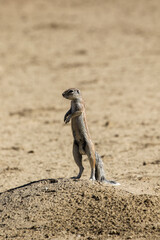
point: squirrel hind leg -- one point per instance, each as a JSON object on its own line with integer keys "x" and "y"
{"x": 79, "y": 174}
{"x": 78, "y": 160}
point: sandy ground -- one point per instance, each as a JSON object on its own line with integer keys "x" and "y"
{"x": 110, "y": 50}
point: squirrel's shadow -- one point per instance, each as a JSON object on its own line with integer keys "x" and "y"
{"x": 48, "y": 180}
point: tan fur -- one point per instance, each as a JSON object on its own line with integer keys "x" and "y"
{"x": 83, "y": 144}
{"x": 82, "y": 141}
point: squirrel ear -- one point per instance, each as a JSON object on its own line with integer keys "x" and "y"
{"x": 78, "y": 91}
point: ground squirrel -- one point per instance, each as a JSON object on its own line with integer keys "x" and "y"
{"x": 82, "y": 144}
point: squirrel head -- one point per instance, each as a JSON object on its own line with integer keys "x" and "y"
{"x": 72, "y": 94}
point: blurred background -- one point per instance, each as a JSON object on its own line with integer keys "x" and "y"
{"x": 108, "y": 49}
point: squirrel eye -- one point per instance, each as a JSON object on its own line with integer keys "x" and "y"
{"x": 70, "y": 91}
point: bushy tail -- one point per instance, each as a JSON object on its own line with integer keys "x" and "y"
{"x": 99, "y": 171}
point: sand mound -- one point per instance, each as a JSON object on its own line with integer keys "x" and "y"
{"x": 70, "y": 209}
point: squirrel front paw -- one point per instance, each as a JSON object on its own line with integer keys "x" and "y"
{"x": 67, "y": 120}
